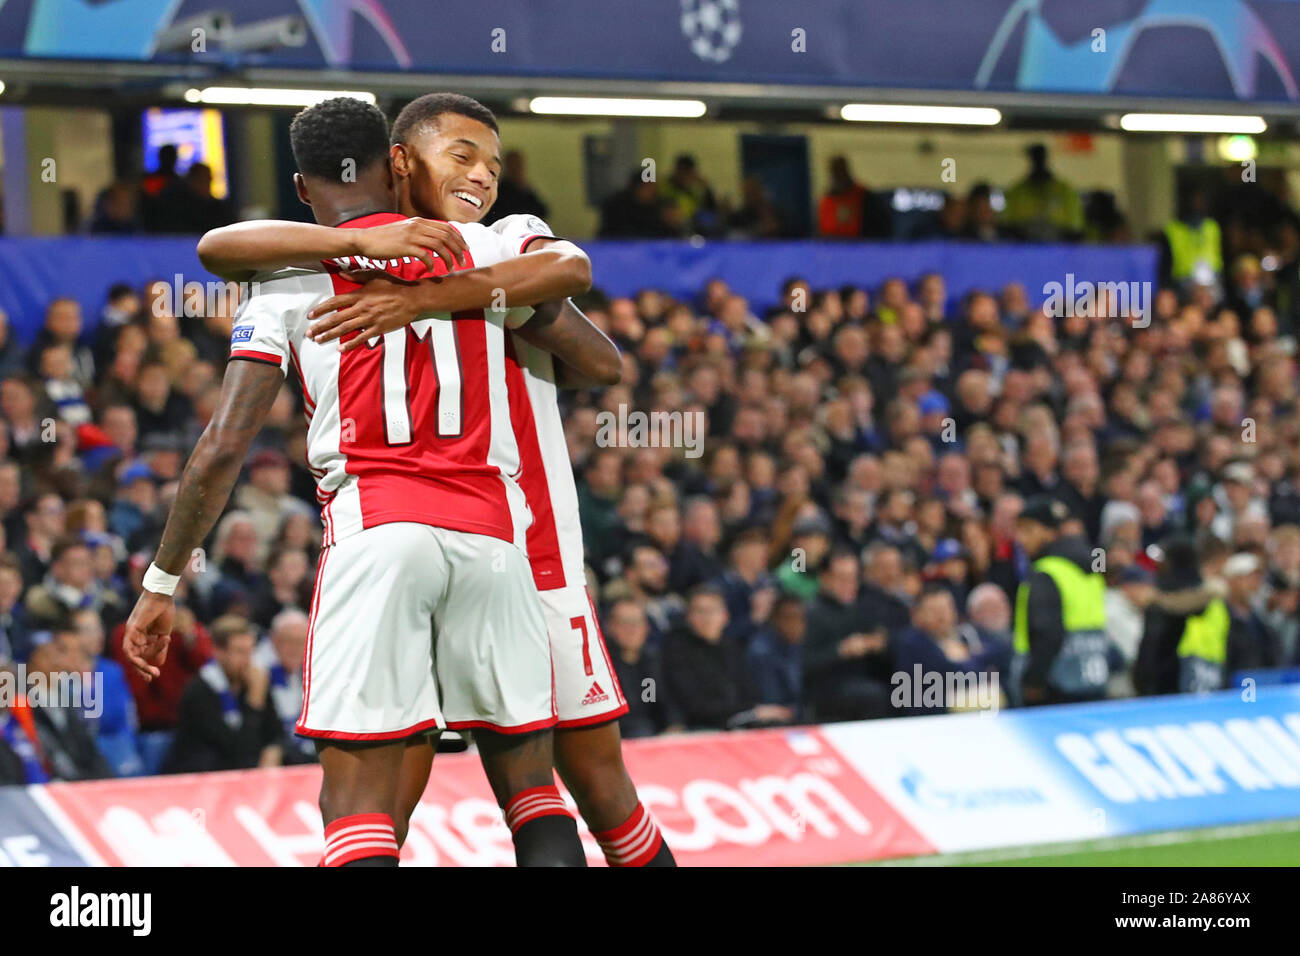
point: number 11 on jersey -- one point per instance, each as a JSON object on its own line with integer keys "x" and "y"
{"x": 444, "y": 354}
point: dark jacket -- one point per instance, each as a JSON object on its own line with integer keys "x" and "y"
{"x": 739, "y": 595}
{"x": 776, "y": 670}
{"x": 1156, "y": 670}
{"x": 689, "y": 566}
{"x": 879, "y": 608}
{"x": 68, "y": 744}
{"x": 830, "y": 622}
{"x": 12, "y": 771}
{"x": 205, "y": 741}
{"x": 705, "y": 684}
{"x": 915, "y": 647}
{"x": 644, "y": 718}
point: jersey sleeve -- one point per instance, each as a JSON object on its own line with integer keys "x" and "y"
{"x": 486, "y": 248}
{"x": 517, "y": 232}
{"x": 260, "y": 327}
{"x": 521, "y": 229}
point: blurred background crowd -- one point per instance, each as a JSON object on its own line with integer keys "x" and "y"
{"x": 853, "y": 514}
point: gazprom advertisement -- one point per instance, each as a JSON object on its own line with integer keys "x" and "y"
{"x": 1197, "y": 49}
{"x": 1181, "y": 762}
{"x": 1051, "y": 774}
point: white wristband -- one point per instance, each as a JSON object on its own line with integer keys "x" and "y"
{"x": 159, "y": 581}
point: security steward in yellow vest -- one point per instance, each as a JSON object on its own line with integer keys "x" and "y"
{"x": 1062, "y": 654}
{"x": 1193, "y": 253}
{"x": 1186, "y": 630}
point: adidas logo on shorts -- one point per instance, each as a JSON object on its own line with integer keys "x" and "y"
{"x": 595, "y": 695}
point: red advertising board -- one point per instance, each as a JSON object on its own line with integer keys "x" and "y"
{"x": 758, "y": 798}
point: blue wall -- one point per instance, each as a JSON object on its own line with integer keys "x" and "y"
{"x": 37, "y": 270}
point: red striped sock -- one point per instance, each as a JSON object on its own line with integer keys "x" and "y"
{"x": 528, "y": 805}
{"x": 359, "y": 836}
{"x": 634, "y": 842}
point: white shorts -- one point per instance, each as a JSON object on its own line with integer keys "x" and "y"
{"x": 586, "y": 688}
{"x": 416, "y": 628}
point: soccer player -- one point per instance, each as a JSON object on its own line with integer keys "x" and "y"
{"x": 410, "y": 442}
{"x": 589, "y": 700}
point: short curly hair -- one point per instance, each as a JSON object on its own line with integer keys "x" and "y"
{"x": 427, "y": 109}
{"x": 326, "y": 136}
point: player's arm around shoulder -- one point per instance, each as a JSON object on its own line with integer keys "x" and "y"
{"x": 528, "y": 235}
{"x": 500, "y": 280}
{"x": 588, "y": 358}
{"x": 238, "y": 251}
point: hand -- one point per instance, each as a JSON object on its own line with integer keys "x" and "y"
{"x": 422, "y": 239}
{"x": 956, "y": 650}
{"x": 774, "y": 713}
{"x": 259, "y": 681}
{"x": 148, "y": 633}
{"x": 875, "y": 642}
{"x": 855, "y": 645}
{"x": 859, "y": 645}
{"x": 383, "y": 304}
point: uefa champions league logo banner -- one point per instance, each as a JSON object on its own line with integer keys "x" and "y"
{"x": 1199, "y": 49}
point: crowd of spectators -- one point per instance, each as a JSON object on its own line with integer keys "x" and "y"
{"x": 852, "y": 515}
{"x": 162, "y": 201}
{"x": 1039, "y": 206}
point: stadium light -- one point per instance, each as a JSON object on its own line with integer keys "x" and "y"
{"x": 616, "y": 106}
{"x": 933, "y": 115}
{"x": 1191, "y": 123}
{"x": 248, "y": 96}
{"x": 2, "y": 86}
{"x": 1237, "y": 149}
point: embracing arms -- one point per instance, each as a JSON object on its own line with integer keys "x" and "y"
{"x": 240, "y": 251}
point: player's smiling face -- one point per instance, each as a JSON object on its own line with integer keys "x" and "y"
{"x": 451, "y": 170}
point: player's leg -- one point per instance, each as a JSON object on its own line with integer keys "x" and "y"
{"x": 588, "y": 750}
{"x": 357, "y": 796}
{"x": 519, "y": 770}
{"x": 590, "y": 762}
{"x": 368, "y": 681}
{"x": 493, "y": 661}
{"x": 412, "y": 778}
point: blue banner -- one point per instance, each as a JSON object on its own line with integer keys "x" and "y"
{"x": 1059, "y": 774}
{"x": 39, "y": 270}
{"x": 1204, "y": 49}
{"x": 1176, "y": 762}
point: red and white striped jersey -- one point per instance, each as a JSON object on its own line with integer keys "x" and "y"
{"x": 546, "y": 474}
{"x": 414, "y": 426}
